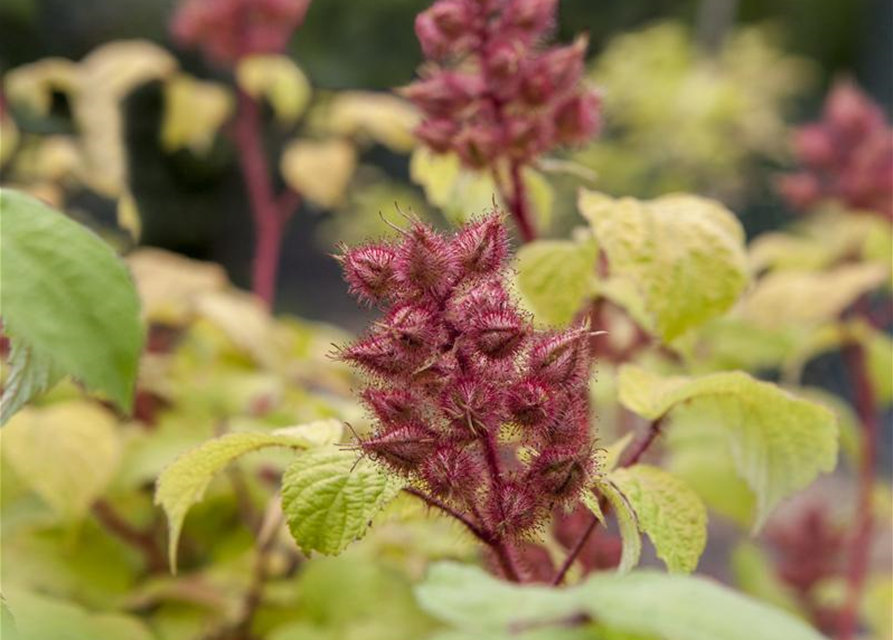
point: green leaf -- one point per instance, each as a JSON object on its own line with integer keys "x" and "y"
{"x": 40, "y": 617}
{"x": 184, "y": 482}
{"x": 277, "y": 79}
{"x": 668, "y": 511}
{"x": 555, "y": 278}
{"x": 798, "y": 298}
{"x": 627, "y": 521}
{"x": 459, "y": 192}
{"x": 329, "y": 497}
{"x": 68, "y": 299}
{"x": 29, "y": 376}
{"x": 685, "y": 254}
{"x": 779, "y": 442}
{"x": 67, "y": 453}
{"x": 640, "y": 604}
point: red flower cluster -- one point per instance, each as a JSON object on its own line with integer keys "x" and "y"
{"x": 226, "y": 30}
{"x": 455, "y": 367}
{"x": 847, "y": 156}
{"x": 492, "y": 90}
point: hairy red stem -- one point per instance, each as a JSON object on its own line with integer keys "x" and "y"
{"x": 857, "y": 569}
{"x": 268, "y": 212}
{"x": 519, "y": 204}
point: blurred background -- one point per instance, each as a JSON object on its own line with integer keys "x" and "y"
{"x": 777, "y": 59}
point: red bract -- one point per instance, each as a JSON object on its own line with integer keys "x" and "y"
{"x": 226, "y": 30}
{"x": 494, "y": 95}
{"x": 454, "y": 366}
{"x": 847, "y": 156}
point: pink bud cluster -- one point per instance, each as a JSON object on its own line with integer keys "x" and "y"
{"x": 491, "y": 90}
{"x": 470, "y": 403}
{"x": 846, "y": 156}
{"x": 227, "y": 30}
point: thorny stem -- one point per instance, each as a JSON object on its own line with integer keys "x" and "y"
{"x": 860, "y": 548}
{"x": 502, "y": 548}
{"x": 268, "y": 212}
{"x": 631, "y": 455}
{"x": 143, "y": 541}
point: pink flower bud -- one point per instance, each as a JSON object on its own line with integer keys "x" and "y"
{"x": 435, "y": 44}
{"x": 402, "y": 448}
{"x": 530, "y": 403}
{"x": 439, "y": 134}
{"x": 425, "y": 262}
{"x": 577, "y": 119}
{"x": 530, "y": 17}
{"x": 378, "y": 355}
{"x": 477, "y": 145}
{"x": 452, "y": 472}
{"x": 414, "y": 327}
{"x": 369, "y": 272}
{"x": 561, "y": 472}
{"x": 562, "y": 357}
{"x": 513, "y": 511}
{"x": 801, "y": 190}
{"x": 392, "y": 406}
{"x": 528, "y": 136}
{"x": 851, "y": 112}
{"x": 554, "y": 72}
{"x": 482, "y": 247}
{"x": 498, "y": 333}
{"x": 445, "y": 93}
{"x": 814, "y": 145}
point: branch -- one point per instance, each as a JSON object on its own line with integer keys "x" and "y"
{"x": 142, "y": 541}
{"x": 431, "y": 501}
{"x": 860, "y": 548}
{"x": 573, "y": 553}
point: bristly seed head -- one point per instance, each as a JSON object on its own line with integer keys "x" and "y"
{"x": 452, "y": 361}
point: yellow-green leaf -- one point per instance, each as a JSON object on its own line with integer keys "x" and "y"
{"x": 779, "y": 442}
{"x": 279, "y": 81}
{"x": 555, "y": 278}
{"x": 685, "y": 254}
{"x": 799, "y": 298}
{"x": 381, "y": 117}
{"x": 459, "y": 192}
{"x": 194, "y": 111}
{"x": 626, "y": 520}
{"x": 184, "y": 482}
{"x": 320, "y": 170}
{"x": 329, "y": 496}
{"x": 67, "y": 453}
{"x": 669, "y": 512}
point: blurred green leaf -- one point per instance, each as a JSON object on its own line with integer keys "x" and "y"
{"x": 67, "y": 453}
{"x": 55, "y": 269}
{"x": 639, "y": 604}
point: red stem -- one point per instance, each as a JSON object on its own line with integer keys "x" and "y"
{"x": 431, "y": 501}
{"x": 269, "y": 212}
{"x": 143, "y": 541}
{"x": 631, "y": 456}
{"x": 519, "y": 204}
{"x": 857, "y": 570}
